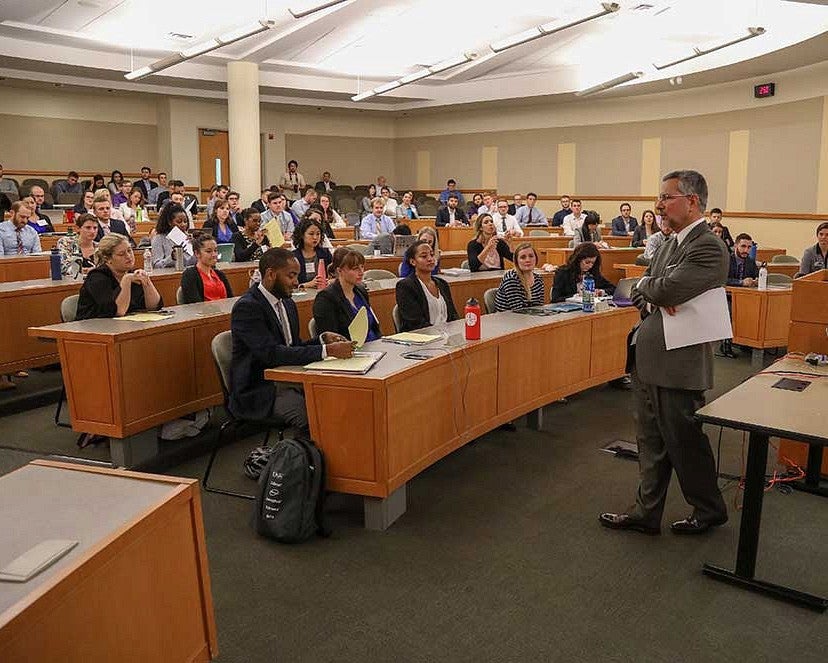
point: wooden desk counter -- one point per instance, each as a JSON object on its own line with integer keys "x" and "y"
{"x": 760, "y": 318}
{"x": 135, "y": 588}
{"x": 24, "y": 268}
{"x": 611, "y": 259}
{"x": 520, "y": 364}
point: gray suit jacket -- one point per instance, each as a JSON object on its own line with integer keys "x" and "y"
{"x": 677, "y": 274}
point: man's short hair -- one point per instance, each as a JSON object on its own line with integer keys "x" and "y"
{"x": 162, "y": 173}
{"x": 623, "y": 205}
{"x": 146, "y": 168}
{"x": 742, "y": 236}
{"x": 273, "y": 196}
{"x": 275, "y": 258}
{"x": 385, "y": 188}
{"x": 455, "y": 196}
{"x": 309, "y": 189}
{"x": 451, "y": 182}
{"x": 233, "y": 193}
{"x": 176, "y": 183}
{"x": 327, "y": 172}
{"x": 222, "y": 187}
{"x": 575, "y": 200}
{"x": 294, "y": 162}
{"x": 101, "y": 196}
{"x": 72, "y": 173}
{"x": 531, "y": 194}
{"x": 716, "y": 210}
{"x": 690, "y": 183}
{"x": 247, "y": 212}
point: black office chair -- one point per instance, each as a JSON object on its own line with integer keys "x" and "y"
{"x": 222, "y": 348}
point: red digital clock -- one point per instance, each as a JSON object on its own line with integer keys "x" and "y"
{"x": 764, "y": 90}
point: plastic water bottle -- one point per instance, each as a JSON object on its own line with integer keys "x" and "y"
{"x": 139, "y": 215}
{"x": 54, "y": 265}
{"x": 763, "y": 277}
{"x": 754, "y": 247}
{"x": 588, "y": 294}
{"x": 148, "y": 261}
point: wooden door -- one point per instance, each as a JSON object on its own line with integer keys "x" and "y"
{"x": 214, "y": 158}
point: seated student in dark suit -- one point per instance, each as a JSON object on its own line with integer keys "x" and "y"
{"x": 265, "y": 329}
{"x": 624, "y": 224}
{"x": 743, "y": 269}
{"x": 423, "y": 299}
{"x": 307, "y": 238}
{"x": 203, "y": 282}
{"x": 112, "y": 289}
{"x": 336, "y": 306}
{"x": 585, "y": 259}
{"x": 102, "y": 209}
{"x": 452, "y": 214}
{"x": 487, "y": 250}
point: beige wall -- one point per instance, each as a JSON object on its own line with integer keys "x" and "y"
{"x": 350, "y": 160}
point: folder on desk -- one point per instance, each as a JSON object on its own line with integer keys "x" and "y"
{"x": 359, "y": 364}
{"x": 412, "y": 338}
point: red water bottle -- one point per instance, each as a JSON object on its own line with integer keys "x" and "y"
{"x": 321, "y": 276}
{"x": 472, "y": 316}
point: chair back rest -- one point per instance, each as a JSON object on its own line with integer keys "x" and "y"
{"x": 489, "y": 299}
{"x": 395, "y": 316}
{"x": 625, "y": 286}
{"x": 538, "y": 233}
{"x": 464, "y": 264}
{"x": 69, "y": 308}
{"x": 225, "y": 252}
{"x": 378, "y": 274}
{"x": 222, "y": 348}
{"x": 179, "y": 295}
{"x": 779, "y": 279}
{"x": 312, "y": 327}
{"x": 69, "y": 198}
{"x": 352, "y": 218}
{"x": 783, "y": 258}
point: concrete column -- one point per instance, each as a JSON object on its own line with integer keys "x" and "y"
{"x": 243, "y": 126}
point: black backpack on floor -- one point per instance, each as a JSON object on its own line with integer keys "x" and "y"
{"x": 291, "y": 494}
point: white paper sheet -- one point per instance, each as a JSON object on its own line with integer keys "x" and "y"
{"x": 701, "y": 320}
{"x": 179, "y": 238}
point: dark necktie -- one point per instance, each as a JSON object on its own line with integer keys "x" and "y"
{"x": 740, "y": 272}
{"x": 20, "y": 241}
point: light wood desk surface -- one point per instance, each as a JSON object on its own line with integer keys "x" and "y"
{"x": 520, "y": 364}
{"x": 135, "y": 588}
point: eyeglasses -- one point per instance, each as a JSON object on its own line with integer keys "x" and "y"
{"x": 664, "y": 197}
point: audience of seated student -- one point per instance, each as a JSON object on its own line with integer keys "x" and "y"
{"x": 376, "y": 222}
{"x": 451, "y": 189}
{"x": 123, "y": 194}
{"x": 716, "y": 217}
{"x": 575, "y": 219}
{"x": 129, "y": 209}
{"x": 505, "y": 224}
{"x": 423, "y": 299}
{"x": 624, "y": 224}
{"x": 260, "y": 205}
{"x": 276, "y": 214}
{"x": 222, "y": 227}
{"x": 367, "y": 207}
{"x": 585, "y": 259}
{"x": 145, "y": 183}
{"x": 743, "y": 269}
{"x": 390, "y": 202}
{"x": 172, "y": 216}
{"x": 17, "y": 234}
{"x": 452, "y": 214}
{"x": 203, "y": 282}
{"x": 84, "y": 205}
{"x": 112, "y": 289}
{"x": 235, "y": 208}
{"x": 486, "y": 250}
{"x": 656, "y": 241}
{"x": 331, "y": 218}
{"x": 424, "y": 234}
{"x": 473, "y": 206}
{"x": 590, "y": 231}
{"x": 39, "y": 221}
{"x": 646, "y": 229}
{"x": 528, "y": 215}
{"x": 335, "y": 307}
{"x": 489, "y": 204}
{"x": 815, "y": 257}
{"x": 218, "y": 193}
{"x": 250, "y": 242}
{"x": 520, "y": 287}
{"x": 302, "y": 205}
{"x": 559, "y": 216}
{"x": 115, "y": 182}
{"x": 80, "y": 248}
{"x": 265, "y": 330}
{"x": 70, "y": 185}
{"x": 516, "y": 204}
{"x": 406, "y": 209}
{"x": 307, "y": 239}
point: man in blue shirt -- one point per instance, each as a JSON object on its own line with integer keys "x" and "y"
{"x": 451, "y": 188}
{"x": 528, "y": 214}
{"x": 376, "y": 223}
{"x": 17, "y": 236}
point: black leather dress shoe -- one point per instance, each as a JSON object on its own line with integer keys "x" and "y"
{"x": 691, "y": 525}
{"x": 627, "y": 522}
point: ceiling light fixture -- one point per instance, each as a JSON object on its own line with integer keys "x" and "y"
{"x": 312, "y": 9}
{"x": 549, "y": 29}
{"x": 416, "y": 76}
{"x": 231, "y": 37}
{"x": 606, "y": 85}
{"x": 698, "y": 52}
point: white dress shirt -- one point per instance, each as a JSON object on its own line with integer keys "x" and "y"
{"x": 571, "y": 224}
{"x": 504, "y": 223}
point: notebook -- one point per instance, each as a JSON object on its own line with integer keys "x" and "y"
{"x": 359, "y": 364}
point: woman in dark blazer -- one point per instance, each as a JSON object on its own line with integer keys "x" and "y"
{"x": 585, "y": 259}
{"x": 250, "y": 242}
{"x": 487, "y": 250}
{"x": 422, "y": 299}
{"x": 336, "y": 306}
{"x": 203, "y": 282}
{"x": 307, "y": 238}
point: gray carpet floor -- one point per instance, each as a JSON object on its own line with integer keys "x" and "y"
{"x": 500, "y": 557}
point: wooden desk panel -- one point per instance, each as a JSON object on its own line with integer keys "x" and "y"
{"x": 765, "y": 254}
{"x": 760, "y": 318}
{"x": 24, "y": 268}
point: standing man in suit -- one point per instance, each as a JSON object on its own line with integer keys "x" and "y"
{"x": 669, "y": 385}
{"x": 265, "y": 327}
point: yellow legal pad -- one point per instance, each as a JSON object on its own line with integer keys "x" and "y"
{"x": 360, "y": 363}
{"x": 413, "y": 337}
{"x": 144, "y": 317}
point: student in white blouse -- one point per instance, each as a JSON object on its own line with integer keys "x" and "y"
{"x": 423, "y": 300}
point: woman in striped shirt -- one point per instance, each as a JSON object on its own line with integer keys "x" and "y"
{"x": 520, "y": 287}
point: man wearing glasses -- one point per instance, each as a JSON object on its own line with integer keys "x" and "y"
{"x": 669, "y": 385}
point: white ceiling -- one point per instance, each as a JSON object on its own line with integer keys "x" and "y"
{"x": 335, "y": 53}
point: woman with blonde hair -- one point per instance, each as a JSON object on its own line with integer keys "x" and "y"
{"x": 486, "y": 250}
{"x": 520, "y": 287}
{"x": 112, "y": 289}
{"x": 129, "y": 209}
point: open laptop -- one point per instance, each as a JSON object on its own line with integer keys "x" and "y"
{"x": 402, "y": 242}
